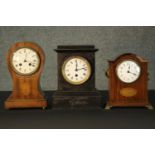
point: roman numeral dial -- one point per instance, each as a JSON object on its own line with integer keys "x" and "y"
{"x": 25, "y": 61}
{"x": 76, "y": 70}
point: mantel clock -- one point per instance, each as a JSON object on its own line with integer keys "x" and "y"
{"x": 128, "y": 77}
{"x": 25, "y": 63}
{"x": 76, "y": 78}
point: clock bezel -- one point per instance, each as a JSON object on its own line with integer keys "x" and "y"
{"x": 116, "y": 69}
{"x": 23, "y": 74}
{"x": 82, "y": 81}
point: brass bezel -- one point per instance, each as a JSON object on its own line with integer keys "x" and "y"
{"x": 122, "y": 62}
{"x": 82, "y": 81}
{"x": 25, "y": 74}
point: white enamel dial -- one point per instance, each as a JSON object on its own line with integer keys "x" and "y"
{"x": 25, "y": 61}
{"x": 128, "y": 71}
{"x": 76, "y": 70}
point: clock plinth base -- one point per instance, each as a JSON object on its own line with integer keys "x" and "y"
{"x": 25, "y": 103}
{"x": 149, "y": 106}
{"x": 108, "y": 107}
{"x": 77, "y": 100}
{"x": 132, "y": 104}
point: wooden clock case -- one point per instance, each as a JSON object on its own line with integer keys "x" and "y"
{"x": 134, "y": 94}
{"x": 26, "y": 88}
{"x": 76, "y": 96}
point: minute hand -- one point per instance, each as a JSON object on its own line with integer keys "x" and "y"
{"x": 132, "y": 73}
{"x": 76, "y": 66}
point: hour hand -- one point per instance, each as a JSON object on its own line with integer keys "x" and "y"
{"x": 82, "y": 68}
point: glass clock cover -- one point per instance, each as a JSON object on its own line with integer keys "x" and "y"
{"x": 76, "y": 70}
{"x": 25, "y": 61}
{"x": 128, "y": 71}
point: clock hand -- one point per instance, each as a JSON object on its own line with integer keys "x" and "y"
{"x": 25, "y": 60}
{"x": 76, "y": 66}
{"x": 82, "y": 68}
{"x": 132, "y": 73}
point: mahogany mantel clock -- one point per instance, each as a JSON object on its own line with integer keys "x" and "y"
{"x": 128, "y": 77}
{"x": 76, "y": 78}
{"x": 25, "y": 62}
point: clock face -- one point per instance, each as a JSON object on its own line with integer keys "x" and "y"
{"x": 25, "y": 61}
{"x": 128, "y": 71}
{"x": 76, "y": 70}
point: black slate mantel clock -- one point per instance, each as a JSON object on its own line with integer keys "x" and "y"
{"x": 76, "y": 78}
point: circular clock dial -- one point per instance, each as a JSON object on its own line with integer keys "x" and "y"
{"x": 128, "y": 71}
{"x": 25, "y": 61}
{"x": 76, "y": 70}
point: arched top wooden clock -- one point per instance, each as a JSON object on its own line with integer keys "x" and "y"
{"x": 128, "y": 77}
{"x": 76, "y": 77}
{"x": 25, "y": 63}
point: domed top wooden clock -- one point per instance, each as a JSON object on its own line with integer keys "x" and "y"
{"x": 76, "y": 78}
{"x": 25, "y": 62}
{"x": 128, "y": 77}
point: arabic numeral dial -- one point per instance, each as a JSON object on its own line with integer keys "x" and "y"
{"x": 128, "y": 71}
{"x": 76, "y": 70}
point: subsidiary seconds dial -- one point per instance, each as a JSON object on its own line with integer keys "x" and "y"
{"x": 76, "y": 70}
{"x": 25, "y": 61}
{"x": 128, "y": 71}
